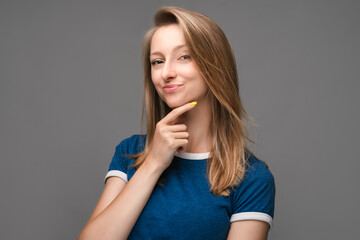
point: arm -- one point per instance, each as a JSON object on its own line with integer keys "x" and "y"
{"x": 121, "y": 204}
{"x": 106, "y": 222}
{"x": 248, "y": 230}
{"x": 113, "y": 187}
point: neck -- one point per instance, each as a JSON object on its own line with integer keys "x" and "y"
{"x": 198, "y": 121}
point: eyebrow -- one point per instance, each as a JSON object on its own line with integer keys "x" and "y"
{"x": 174, "y": 49}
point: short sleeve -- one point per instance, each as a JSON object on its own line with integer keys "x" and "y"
{"x": 254, "y": 197}
{"x": 118, "y": 166}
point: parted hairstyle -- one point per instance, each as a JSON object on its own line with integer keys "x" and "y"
{"x": 212, "y": 53}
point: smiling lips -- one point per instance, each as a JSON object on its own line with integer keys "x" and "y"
{"x": 171, "y": 87}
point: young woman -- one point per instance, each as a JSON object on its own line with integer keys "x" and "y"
{"x": 191, "y": 176}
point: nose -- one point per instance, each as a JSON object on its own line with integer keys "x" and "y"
{"x": 168, "y": 71}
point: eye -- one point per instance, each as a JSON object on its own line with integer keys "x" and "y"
{"x": 156, "y": 62}
{"x": 184, "y": 57}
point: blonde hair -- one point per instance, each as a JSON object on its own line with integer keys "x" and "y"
{"x": 212, "y": 53}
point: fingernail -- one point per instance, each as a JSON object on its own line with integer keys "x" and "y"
{"x": 193, "y": 103}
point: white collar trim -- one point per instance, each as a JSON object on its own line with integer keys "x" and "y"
{"x": 193, "y": 156}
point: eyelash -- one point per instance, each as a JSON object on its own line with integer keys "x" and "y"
{"x": 156, "y": 62}
{"x": 183, "y": 57}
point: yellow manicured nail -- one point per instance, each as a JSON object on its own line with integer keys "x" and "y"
{"x": 193, "y": 103}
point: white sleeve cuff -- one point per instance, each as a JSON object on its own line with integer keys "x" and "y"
{"x": 116, "y": 173}
{"x": 252, "y": 216}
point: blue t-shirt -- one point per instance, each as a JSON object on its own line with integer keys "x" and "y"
{"x": 183, "y": 206}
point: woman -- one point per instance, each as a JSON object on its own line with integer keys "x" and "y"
{"x": 191, "y": 176}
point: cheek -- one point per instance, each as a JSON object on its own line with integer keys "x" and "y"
{"x": 154, "y": 78}
{"x": 152, "y": 75}
{"x": 156, "y": 84}
{"x": 191, "y": 72}
{"x": 201, "y": 83}
{"x": 195, "y": 77}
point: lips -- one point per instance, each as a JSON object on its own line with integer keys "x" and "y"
{"x": 171, "y": 87}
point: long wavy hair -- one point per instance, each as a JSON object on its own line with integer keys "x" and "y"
{"x": 211, "y": 51}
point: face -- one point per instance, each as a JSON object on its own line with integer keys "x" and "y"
{"x": 174, "y": 73}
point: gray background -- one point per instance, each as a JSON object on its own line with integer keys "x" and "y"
{"x": 71, "y": 89}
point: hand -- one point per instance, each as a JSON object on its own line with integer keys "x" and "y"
{"x": 169, "y": 136}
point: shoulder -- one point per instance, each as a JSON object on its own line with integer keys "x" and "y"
{"x": 132, "y": 145}
{"x": 257, "y": 170}
{"x": 258, "y": 184}
{"x": 254, "y": 196}
{"x": 121, "y": 159}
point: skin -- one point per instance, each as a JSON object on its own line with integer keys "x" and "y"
{"x": 183, "y": 129}
{"x": 172, "y": 64}
{"x": 129, "y": 199}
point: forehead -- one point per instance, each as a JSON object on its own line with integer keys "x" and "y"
{"x": 167, "y": 37}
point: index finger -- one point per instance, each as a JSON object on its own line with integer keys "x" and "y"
{"x": 176, "y": 112}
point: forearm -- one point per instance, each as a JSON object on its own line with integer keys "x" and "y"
{"x": 117, "y": 220}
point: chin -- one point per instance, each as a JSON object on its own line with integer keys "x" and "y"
{"x": 175, "y": 104}
{"x": 177, "y": 101}
{"x": 172, "y": 106}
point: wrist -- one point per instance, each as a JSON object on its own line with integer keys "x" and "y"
{"x": 152, "y": 167}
